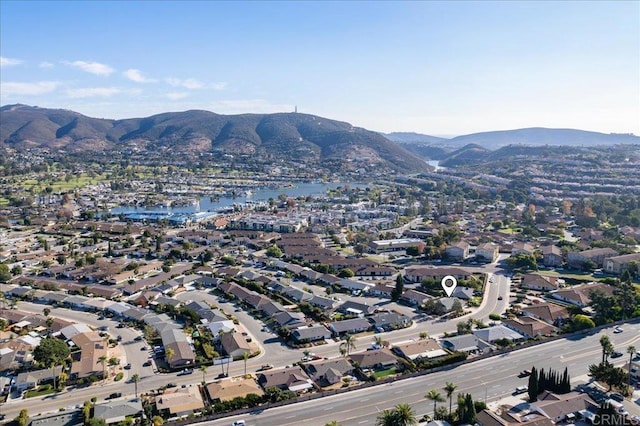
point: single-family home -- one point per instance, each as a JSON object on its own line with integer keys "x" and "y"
{"x": 311, "y": 333}
{"x": 376, "y": 359}
{"x": 226, "y": 390}
{"x": 177, "y": 402}
{"x": 423, "y": 348}
{"x": 350, "y": 326}
{"x": 329, "y": 371}
{"x": 292, "y": 378}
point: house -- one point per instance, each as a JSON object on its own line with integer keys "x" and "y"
{"x": 86, "y": 362}
{"x": 292, "y": 378}
{"x": 618, "y": 264}
{"x": 377, "y": 359}
{"x": 178, "y": 402}
{"x": 415, "y": 274}
{"x": 498, "y": 332}
{"x": 541, "y": 282}
{"x": 580, "y": 295}
{"x": 117, "y": 411}
{"x": 311, "y": 333}
{"x": 413, "y": 297}
{"x": 510, "y": 418}
{"x": 400, "y": 244}
{"x": 424, "y": 348}
{"x": 59, "y": 418}
{"x": 487, "y": 252}
{"x": 323, "y": 303}
{"x": 329, "y": 371}
{"x": 547, "y": 312}
{"x": 551, "y": 256}
{"x": 356, "y": 309}
{"x": 289, "y": 320}
{"x": 175, "y": 339}
{"x": 31, "y": 379}
{"x": 530, "y": 327}
{"x": 227, "y": 390}
{"x": 465, "y": 343}
{"x": 387, "y": 321}
{"x": 463, "y": 293}
{"x": 558, "y": 407}
{"x": 234, "y": 344}
{"x": 355, "y": 287}
{"x": 382, "y": 290}
{"x": 350, "y": 326}
{"x": 458, "y": 251}
{"x": 522, "y": 248}
{"x": 578, "y": 259}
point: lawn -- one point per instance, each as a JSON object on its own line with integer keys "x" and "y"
{"x": 384, "y": 373}
{"x": 46, "y": 390}
{"x": 586, "y": 277}
{"x": 510, "y": 230}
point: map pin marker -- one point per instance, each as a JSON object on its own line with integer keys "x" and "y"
{"x": 449, "y": 284}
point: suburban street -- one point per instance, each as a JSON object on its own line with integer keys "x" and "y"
{"x": 488, "y": 380}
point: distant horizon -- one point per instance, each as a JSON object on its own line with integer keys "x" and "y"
{"x": 430, "y": 67}
{"x": 449, "y": 136}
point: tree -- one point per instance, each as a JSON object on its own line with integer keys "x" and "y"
{"x": 400, "y": 415}
{"x": 135, "y": 379}
{"x": 450, "y": 388}
{"x": 203, "y": 368}
{"x": 50, "y": 353}
{"x": 245, "y": 357}
{"x": 399, "y": 289}
{"x": 607, "y": 347}
{"x": 103, "y": 360}
{"x": 169, "y": 354}
{"x": 581, "y": 322}
{"x": 631, "y": 350}
{"x": 349, "y": 343}
{"x": 46, "y": 312}
{"x": 5, "y": 275}
{"x": 333, "y": 423}
{"x": 346, "y": 273}
{"x": 533, "y": 385}
{"x": 607, "y": 416}
{"x": 157, "y": 421}
{"x": 23, "y": 418}
{"x": 273, "y": 251}
{"x": 435, "y": 396}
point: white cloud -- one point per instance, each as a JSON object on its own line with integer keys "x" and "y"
{"x": 219, "y": 85}
{"x": 46, "y": 64}
{"x": 92, "y": 67}
{"x": 8, "y": 62}
{"x": 21, "y": 89}
{"x": 88, "y": 92}
{"x": 174, "y": 96}
{"x": 189, "y": 83}
{"x": 136, "y": 75}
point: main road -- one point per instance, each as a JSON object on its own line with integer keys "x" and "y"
{"x": 486, "y": 380}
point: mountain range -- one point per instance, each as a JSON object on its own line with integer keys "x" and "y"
{"x": 283, "y": 136}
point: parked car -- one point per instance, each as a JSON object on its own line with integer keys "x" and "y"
{"x": 238, "y": 423}
{"x": 616, "y": 354}
{"x": 616, "y": 396}
{"x": 499, "y": 297}
{"x": 521, "y": 389}
{"x": 618, "y": 330}
{"x": 114, "y": 395}
{"x": 138, "y": 338}
{"x": 222, "y": 376}
{"x": 146, "y": 363}
{"x": 525, "y": 373}
{"x": 127, "y": 367}
{"x": 171, "y": 385}
{"x": 265, "y": 367}
{"x": 185, "y": 372}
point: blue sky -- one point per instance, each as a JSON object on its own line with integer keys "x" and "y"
{"x": 440, "y": 68}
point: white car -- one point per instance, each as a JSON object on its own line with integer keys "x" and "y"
{"x": 238, "y": 423}
{"x": 618, "y": 330}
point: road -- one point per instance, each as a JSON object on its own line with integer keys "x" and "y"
{"x": 489, "y": 380}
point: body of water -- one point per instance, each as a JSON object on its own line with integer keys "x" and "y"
{"x": 209, "y": 204}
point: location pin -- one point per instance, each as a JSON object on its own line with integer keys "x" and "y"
{"x": 449, "y": 283}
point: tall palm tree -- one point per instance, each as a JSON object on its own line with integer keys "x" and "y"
{"x": 349, "y": 343}
{"x": 607, "y": 347}
{"x": 136, "y": 378}
{"x": 631, "y": 350}
{"x": 203, "y": 368}
{"x": 245, "y": 357}
{"x": 378, "y": 340}
{"x": 434, "y": 395}
{"x": 103, "y": 360}
{"x": 450, "y": 388}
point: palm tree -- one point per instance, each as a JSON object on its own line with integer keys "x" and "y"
{"x": 168, "y": 355}
{"x": 245, "y": 357}
{"x": 450, "y": 388}
{"x": 434, "y": 395}
{"x": 332, "y": 423}
{"x": 386, "y": 418}
{"x": 203, "y": 368}
{"x": 424, "y": 335}
{"x": 349, "y": 343}
{"x": 136, "y": 378}
{"x": 103, "y": 360}
{"x": 607, "y": 347}
{"x": 400, "y": 415}
{"x": 631, "y": 350}
{"x": 378, "y": 340}
{"x": 404, "y": 415}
